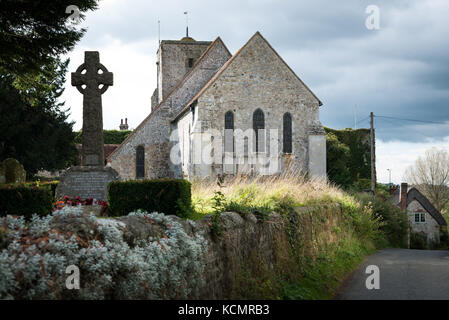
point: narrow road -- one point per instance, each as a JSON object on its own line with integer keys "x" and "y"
{"x": 404, "y": 275}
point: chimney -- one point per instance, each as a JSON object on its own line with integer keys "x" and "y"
{"x": 403, "y": 196}
{"x": 124, "y": 126}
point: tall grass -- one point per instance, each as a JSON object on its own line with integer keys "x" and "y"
{"x": 269, "y": 192}
{"x": 324, "y": 243}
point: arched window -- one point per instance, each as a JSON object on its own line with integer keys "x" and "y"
{"x": 259, "y": 126}
{"x": 229, "y": 120}
{"x": 287, "y": 133}
{"x": 140, "y": 162}
{"x": 229, "y": 131}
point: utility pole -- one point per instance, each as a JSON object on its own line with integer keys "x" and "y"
{"x": 373, "y": 173}
{"x": 389, "y": 180}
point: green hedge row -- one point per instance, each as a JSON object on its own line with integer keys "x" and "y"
{"x": 169, "y": 196}
{"x": 49, "y": 185}
{"x": 24, "y": 201}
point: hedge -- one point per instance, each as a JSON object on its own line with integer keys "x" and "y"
{"x": 169, "y": 196}
{"x": 24, "y": 201}
{"x": 49, "y": 185}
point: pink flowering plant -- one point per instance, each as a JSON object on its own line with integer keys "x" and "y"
{"x": 77, "y": 201}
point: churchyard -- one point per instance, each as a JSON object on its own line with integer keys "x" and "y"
{"x": 139, "y": 225}
{"x": 93, "y": 235}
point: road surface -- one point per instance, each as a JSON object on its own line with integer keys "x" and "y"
{"x": 403, "y": 275}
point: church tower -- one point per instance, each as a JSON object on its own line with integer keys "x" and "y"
{"x": 174, "y": 59}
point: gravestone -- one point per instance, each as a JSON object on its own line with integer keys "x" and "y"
{"x": 11, "y": 171}
{"x": 90, "y": 180}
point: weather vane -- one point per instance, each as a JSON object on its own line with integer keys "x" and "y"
{"x": 187, "y": 23}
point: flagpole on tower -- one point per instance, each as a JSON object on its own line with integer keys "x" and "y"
{"x": 187, "y": 23}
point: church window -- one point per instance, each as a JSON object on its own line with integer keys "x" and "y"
{"x": 287, "y": 133}
{"x": 140, "y": 162}
{"x": 190, "y": 62}
{"x": 229, "y": 120}
{"x": 229, "y": 131}
{"x": 259, "y": 126}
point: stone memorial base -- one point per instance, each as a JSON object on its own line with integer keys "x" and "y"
{"x": 86, "y": 182}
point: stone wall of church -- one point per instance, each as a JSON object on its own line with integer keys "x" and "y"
{"x": 154, "y": 132}
{"x": 258, "y": 78}
{"x": 173, "y": 59}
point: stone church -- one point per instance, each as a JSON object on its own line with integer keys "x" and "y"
{"x": 214, "y": 113}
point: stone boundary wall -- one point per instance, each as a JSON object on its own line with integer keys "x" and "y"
{"x": 244, "y": 238}
{"x": 241, "y": 250}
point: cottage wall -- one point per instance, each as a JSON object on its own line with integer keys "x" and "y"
{"x": 431, "y": 228}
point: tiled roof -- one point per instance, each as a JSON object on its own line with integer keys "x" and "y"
{"x": 414, "y": 194}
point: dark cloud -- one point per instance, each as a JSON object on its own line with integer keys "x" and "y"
{"x": 401, "y": 70}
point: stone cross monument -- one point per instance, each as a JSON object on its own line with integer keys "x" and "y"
{"x": 90, "y": 179}
{"x": 95, "y": 79}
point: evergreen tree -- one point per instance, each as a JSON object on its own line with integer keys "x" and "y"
{"x": 33, "y": 36}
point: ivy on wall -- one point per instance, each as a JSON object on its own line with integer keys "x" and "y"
{"x": 348, "y": 155}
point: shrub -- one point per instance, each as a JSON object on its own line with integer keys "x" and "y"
{"x": 25, "y": 201}
{"x": 418, "y": 241}
{"x": 394, "y": 221}
{"x": 49, "y": 185}
{"x": 77, "y": 201}
{"x": 170, "y": 196}
{"x": 35, "y": 256}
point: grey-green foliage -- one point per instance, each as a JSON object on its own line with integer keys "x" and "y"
{"x": 34, "y": 260}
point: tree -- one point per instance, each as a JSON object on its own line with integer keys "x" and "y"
{"x": 33, "y": 33}
{"x": 39, "y": 138}
{"x": 430, "y": 174}
{"x": 33, "y": 36}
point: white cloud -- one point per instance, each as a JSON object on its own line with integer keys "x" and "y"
{"x": 398, "y": 155}
{"x": 134, "y": 82}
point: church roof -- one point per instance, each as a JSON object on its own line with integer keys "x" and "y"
{"x": 223, "y": 68}
{"x": 414, "y": 194}
{"x": 211, "y": 45}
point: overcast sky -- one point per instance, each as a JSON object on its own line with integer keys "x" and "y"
{"x": 400, "y": 70}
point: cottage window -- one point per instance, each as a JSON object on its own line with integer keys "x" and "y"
{"x": 420, "y": 217}
{"x": 423, "y": 217}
